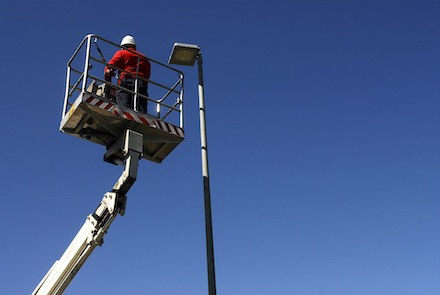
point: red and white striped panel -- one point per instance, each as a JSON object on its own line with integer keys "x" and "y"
{"x": 153, "y": 123}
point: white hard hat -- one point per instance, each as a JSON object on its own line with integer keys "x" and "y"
{"x": 128, "y": 40}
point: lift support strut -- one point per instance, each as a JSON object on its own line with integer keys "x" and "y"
{"x": 130, "y": 145}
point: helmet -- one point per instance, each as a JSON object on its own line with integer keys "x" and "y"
{"x": 128, "y": 40}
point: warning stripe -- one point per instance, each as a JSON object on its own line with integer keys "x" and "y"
{"x": 144, "y": 121}
{"x": 128, "y": 116}
{"x": 152, "y": 123}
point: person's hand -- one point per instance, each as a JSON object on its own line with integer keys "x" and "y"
{"x": 108, "y": 75}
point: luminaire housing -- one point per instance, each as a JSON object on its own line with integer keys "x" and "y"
{"x": 184, "y": 54}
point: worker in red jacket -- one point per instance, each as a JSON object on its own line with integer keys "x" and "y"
{"x": 131, "y": 64}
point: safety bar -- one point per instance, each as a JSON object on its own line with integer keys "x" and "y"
{"x": 81, "y": 73}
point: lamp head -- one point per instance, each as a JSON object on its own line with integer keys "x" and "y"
{"x": 184, "y": 54}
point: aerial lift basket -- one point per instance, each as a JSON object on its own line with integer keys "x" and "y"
{"x": 90, "y": 110}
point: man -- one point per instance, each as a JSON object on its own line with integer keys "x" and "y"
{"x": 133, "y": 64}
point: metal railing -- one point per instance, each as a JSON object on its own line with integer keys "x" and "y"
{"x": 84, "y": 71}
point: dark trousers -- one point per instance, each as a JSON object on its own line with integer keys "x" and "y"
{"x": 126, "y": 99}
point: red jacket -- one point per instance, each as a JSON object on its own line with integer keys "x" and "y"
{"x": 127, "y": 61}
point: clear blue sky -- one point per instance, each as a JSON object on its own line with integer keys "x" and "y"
{"x": 323, "y": 130}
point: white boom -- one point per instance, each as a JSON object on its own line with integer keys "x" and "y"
{"x": 130, "y": 145}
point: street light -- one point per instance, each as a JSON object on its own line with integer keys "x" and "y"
{"x": 187, "y": 54}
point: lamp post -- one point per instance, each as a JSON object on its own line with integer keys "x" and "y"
{"x": 187, "y": 54}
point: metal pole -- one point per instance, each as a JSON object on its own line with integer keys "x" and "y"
{"x": 206, "y": 189}
{"x": 181, "y": 100}
{"x": 87, "y": 64}
{"x": 66, "y": 95}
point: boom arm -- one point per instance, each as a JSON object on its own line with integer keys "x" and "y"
{"x": 96, "y": 225}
